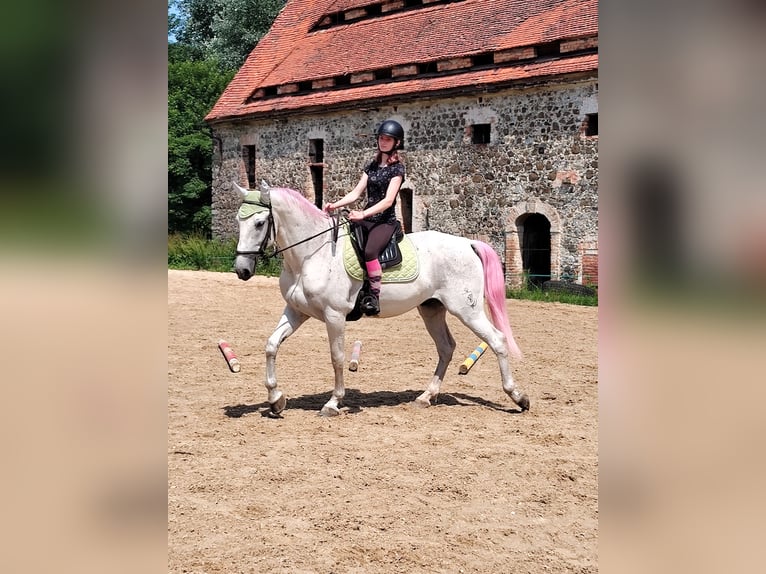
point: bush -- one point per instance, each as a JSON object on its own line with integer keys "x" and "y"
{"x": 198, "y": 253}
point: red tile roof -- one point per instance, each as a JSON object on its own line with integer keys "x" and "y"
{"x": 291, "y": 53}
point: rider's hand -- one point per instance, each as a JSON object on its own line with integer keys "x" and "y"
{"x": 356, "y": 215}
{"x": 329, "y": 208}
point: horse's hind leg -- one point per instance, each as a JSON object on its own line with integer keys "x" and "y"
{"x": 480, "y": 324}
{"x": 434, "y": 316}
{"x": 289, "y": 322}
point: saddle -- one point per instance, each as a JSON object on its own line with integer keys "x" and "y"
{"x": 391, "y": 257}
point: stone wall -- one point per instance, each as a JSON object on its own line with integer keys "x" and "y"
{"x": 538, "y": 160}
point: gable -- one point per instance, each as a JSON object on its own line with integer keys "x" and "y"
{"x": 322, "y": 53}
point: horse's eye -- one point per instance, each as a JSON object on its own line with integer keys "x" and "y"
{"x": 259, "y": 224}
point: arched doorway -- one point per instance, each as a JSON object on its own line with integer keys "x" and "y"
{"x": 516, "y": 269}
{"x": 536, "y": 248}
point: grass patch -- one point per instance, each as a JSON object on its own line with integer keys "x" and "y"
{"x": 537, "y": 294}
{"x": 198, "y": 253}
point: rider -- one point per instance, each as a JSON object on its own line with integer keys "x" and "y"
{"x": 382, "y": 178}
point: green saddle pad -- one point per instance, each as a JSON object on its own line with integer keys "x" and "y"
{"x": 407, "y": 270}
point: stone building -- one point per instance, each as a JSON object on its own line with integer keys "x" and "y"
{"x": 498, "y": 98}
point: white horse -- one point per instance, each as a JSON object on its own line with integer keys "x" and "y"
{"x": 455, "y": 274}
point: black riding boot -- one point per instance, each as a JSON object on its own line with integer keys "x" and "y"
{"x": 370, "y": 304}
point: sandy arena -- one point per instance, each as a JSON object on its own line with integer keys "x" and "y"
{"x": 470, "y": 485}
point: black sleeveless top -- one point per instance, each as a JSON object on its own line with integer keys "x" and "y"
{"x": 378, "y": 179}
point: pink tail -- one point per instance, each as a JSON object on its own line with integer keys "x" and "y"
{"x": 494, "y": 292}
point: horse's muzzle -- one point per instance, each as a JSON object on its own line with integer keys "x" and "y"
{"x": 244, "y": 267}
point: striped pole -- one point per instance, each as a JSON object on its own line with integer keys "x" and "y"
{"x": 472, "y": 358}
{"x": 228, "y": 354}
{"x": 353, "y": 364}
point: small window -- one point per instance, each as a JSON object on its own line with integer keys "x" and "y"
{"x": 483, "y": 60}
{"x": 548, "y": 50}
{"x": 591, "y": 124}
{"x": 384, "y": 74}
{"x": 427, "y": 68}
{"x": 248, "y": 159}
{"x": 316, "y": 151}
{"x": 480, "y": 133}
{"x": 343, "y": 80}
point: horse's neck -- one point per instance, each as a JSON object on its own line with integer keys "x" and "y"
{"x": 292, "y": 233}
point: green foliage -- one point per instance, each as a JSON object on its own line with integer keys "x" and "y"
{"x": 193, "y": 87}
{"x": 225, "y": 30}
{"x": 199, "y": 253}
{"x": 213, "y": 37}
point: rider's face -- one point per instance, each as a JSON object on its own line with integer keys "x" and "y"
{"x": 386, "y": 143}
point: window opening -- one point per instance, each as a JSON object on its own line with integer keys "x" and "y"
{"x": 316, "y": 151}
{"x": 591, "y": 124}
{"x": 548, "y": 50}
{"x": 480, "y": 133}
{"x": 427, "y": 68}
{"x": 343, "y": 80}
{"x": 248, "y": 159}
{"x": 316, "y": 167}
{"x": 405, "y": 206}
{"x": 483, "y": 59}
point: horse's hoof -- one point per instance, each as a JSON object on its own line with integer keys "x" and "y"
{"x": 279, "y": 405}
{"x": 421, "y": 403}
{"x": 523, "y": 402}
{"x": 329, "y": 412}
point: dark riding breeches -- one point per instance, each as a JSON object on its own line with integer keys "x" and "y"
{"x": 377, "y": 237}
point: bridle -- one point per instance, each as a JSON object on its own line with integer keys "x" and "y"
{"x": 271, "y": 232}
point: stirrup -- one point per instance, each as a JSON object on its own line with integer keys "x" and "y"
{"x": 370, "y": 305}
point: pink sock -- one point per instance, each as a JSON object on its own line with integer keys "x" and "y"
{"x": 374, "y": 273}
{"x": 373, "y": 268}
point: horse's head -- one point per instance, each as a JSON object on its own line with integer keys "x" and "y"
{"x": 255, "y": 229}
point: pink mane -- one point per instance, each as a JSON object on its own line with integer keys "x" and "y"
{"x": 296, "y": 200}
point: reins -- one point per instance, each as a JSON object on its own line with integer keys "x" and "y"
{"x": 272, "y": 230}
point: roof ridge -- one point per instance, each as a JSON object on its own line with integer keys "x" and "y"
{"x": 294, "y": 58}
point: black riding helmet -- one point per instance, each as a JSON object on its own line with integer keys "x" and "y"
{"x": 394, "y": 129}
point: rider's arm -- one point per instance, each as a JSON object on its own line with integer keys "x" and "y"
{"x": 351, "y": 196}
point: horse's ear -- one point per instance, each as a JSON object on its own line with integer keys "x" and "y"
{"x": 242, "y": 190}
{"x": 265, "y": 194}
{"x": 265, "y": 186}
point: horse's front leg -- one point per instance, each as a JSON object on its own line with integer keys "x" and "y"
{"x": 289, "y": 322}
{"x": 336, "y": 330}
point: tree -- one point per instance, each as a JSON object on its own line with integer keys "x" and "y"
{"x": 225, "y": 30}
{"x": 207, "y": 41}
{"x": 193, "y": 88}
